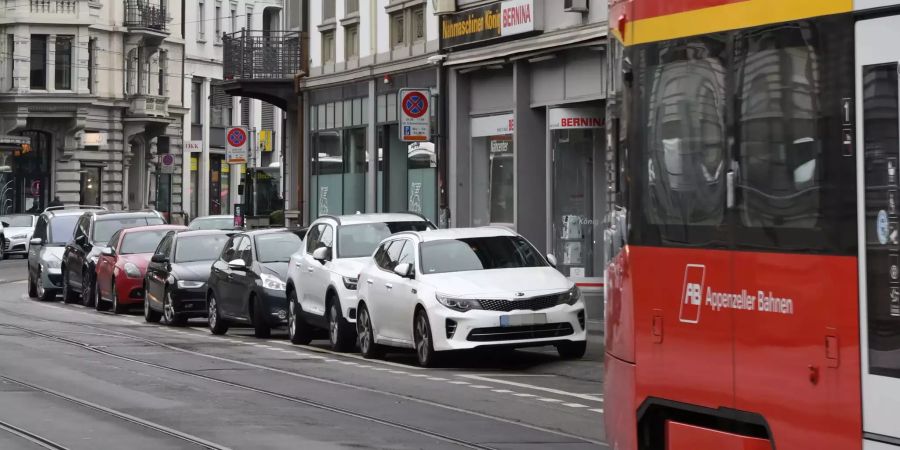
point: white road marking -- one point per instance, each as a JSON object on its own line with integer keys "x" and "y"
{"x": 395, "y": 372}
{"x": 459, "y": 382}
{"x": 597, "y": 410}
{"x": 549, "y": 400}
{"x": 479, "y": 386}
{"x": 503, "y": 391}
{"x": 575, "y": 405}
{"x": 418, "y": 375}
{"x": 524, "y": 395}
{"x": 588, "y": 397}
{"x": 436, "y": 379}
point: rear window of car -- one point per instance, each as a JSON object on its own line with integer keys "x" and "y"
{"x": 104, "y": 229}
{"x": 141, "y": 241}
{"x": 199, "y": 248}
{"x": 62, "y": 228}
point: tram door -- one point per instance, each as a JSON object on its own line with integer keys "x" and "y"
{"x": 878, "y": 144}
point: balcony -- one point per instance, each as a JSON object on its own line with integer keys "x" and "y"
{"x": 146, "y": 16}
{"x": 149, "y": 106}
{"x": 263, "y": 64}
{"x": 47, "y": 11}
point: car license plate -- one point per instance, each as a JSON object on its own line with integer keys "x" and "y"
{"x": 522, "y": 319}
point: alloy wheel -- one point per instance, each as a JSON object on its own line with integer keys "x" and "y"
{"x": 423, "y": 346}
{"x": 292, "y": 319}
{"x": 213, "y": 312}
{"x": 363, "y": 330}
{"x": 333, "y": 324}
{"x": 168, "y": 310}
{"x": 39, "y": 284}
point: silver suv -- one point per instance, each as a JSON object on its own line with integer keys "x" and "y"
{"x": 53, "y": 230}
{"x": 322, "y": 276}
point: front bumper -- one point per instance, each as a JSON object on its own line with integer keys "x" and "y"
{"x": 51, "y": 278}
{"x": 130, "y": 291}
{"x": 190, "y": 302}
{"x": 453, "y": 330}
{"x": 15, "y": 246}
{"x": 276, "y": 306}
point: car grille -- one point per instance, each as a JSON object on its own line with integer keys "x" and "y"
{"x": 533, "y": 304}
{"x": 548, "y": 330}
{"x": 6, "y": 244}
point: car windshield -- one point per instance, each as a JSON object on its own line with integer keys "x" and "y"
{"x": 357, "y": 241}
{"x": 277, "y": 247}
{"x": 199, "y": 248}
{"x": 104, "y": 229}
{"x": 141, "y": 241}
{"x": 484, "y": 253}
{"x": 212, "y": 223}
{"x": 61, "y": 229}
{"x": 18, "y": 220}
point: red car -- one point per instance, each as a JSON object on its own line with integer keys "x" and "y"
{"x": 122, "y": 265}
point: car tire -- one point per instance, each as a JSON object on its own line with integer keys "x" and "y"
{"x": 67, "y": 294}
{"x": 217, "y": 324}
{"x": 366, "y": 335}
{"x": 170, "y": 318}
{"x": 87, "y": 289}
{"x": 424, "y": 342}
{"x": 99, "y": 303}
{"x": 117, "y": 308}
{"x": 261, "y": 327}
{"x": 571, "y": 350}
{"x": 32, "y": 288}
{"x": 340, "y": 332}
{"x": 299, "y": 331}
{"x": 150, "y": 315}
{"x": 44, "y": 295}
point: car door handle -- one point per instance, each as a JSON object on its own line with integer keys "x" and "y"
{"x": 370, "y": 282}
{"x": 389, "y": 285}
{"x": 309, "y": 269}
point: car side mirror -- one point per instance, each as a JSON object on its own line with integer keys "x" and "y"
{"x": 107, "y": 251}
{"x": 322, "y": 254}
{"x": 36, "y": 241}
{"x": 5, "y": 225}
{"x": 551, "y": 259}
{"x": 159, "y": 259}
{"x": 237, "y": 264}
{"x": 405, "y": 270}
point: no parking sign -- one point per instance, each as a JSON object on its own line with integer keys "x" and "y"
{"x": 236, "y": 145}
{"x": 415, "y": 115}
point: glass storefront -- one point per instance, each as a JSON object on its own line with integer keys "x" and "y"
{"x": 219, "y": 185}
{"x": 90, "y": 185}
{"x": 493, "y": 170}
{"x": 339, "y": 161}
{"x": 25, "y": 175}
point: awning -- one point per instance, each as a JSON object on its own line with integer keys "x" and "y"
{"x": 509, "y": 50}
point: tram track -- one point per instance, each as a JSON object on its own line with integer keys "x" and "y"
{"x": 311, "y": 403}
{"x": 31, "y": 437}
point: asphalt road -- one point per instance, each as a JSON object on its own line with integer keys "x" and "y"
{"x": 72, "y": 378}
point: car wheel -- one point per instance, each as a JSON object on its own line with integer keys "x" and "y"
{"x": 571, "y": 350}
{"x": 150, "y": 315}
{"x": 3, "y": 254}
{"x": 32, "y": 289}
{"x": 45, "y": 295}
{"x": 87, "y": 289}
{"x": 99, "y": 303}
{"x": 217, "y": 325}
{"x": 169, "y": 316}
{"x": 68, "y": 295}
{"x": 339, "y": 331}
{"x": 366, "y": 335}
{"x": 261, "y": 327}
{"x": 117, "y": 308}
{"x": 424, "y": 343}
{"x": 298, "y": 330}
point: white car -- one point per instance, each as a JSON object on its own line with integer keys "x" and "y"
{"x": 18, "y": 229}
{"x": 466, "y": 288}
{"x": 321, "y": 285}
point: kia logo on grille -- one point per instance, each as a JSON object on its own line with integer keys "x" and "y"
{"x": 520, "y": 294}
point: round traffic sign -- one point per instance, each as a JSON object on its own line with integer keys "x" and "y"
{"x": 237, "y": 137}
{"x": 168, "y": 160}
{"x": 414, "y": 105}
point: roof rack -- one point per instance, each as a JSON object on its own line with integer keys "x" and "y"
{"x": 64, "y": 207}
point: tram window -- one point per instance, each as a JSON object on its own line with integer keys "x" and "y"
{"x": 682, "y": 114}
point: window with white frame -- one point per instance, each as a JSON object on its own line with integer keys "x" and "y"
{"x": 417, "y": 14}
{"x": 234, "y": 23}
{"x": 328, "y": 47}
{"x": 407, "y": 26}
{"x": 201, "y": 21}
{"x": 351, "y": 41}
{"x": 327, "y": 10}
{"x": 398, "y": 29}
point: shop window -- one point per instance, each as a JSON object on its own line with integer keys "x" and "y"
{"x": 90, "y": 185}
{"x": 355, "y": 168}
{"x": 328, "y": 47}
{"x": 38, "y": 61}
{"x": 195, "y": 186}
{"x": 164, "y": 193}
{"x": 351, "y": 41}
{"x": 327, "y": 169}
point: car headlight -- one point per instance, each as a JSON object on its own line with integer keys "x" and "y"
{"x": 53, "y": 262}
{"x": 271, "y": 282}
{"x": 19, "y": 236}
{"x": 132, "y": 271}
{"x": 458, "y": 304}
{"x": 351, "y": 283}
{"x": 571, "y": 297}
{"x": 186, "y": 284}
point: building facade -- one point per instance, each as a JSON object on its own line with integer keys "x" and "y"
{"x": 211, "y": 187}
{"x": 97, "y": 87}
{"x": 361, "y": 54}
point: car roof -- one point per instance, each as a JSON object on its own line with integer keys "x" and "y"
{"x": 459, "y": 233}
{"x": 356, "y": 219}
{"x": 219, "y": 216}
{"x": 121, "y": 214}
{"x": 65, "y": 212}
{"x": 192, "y": 233}
{"x": 153, "y": 228}
{"x": 266, "y": 231}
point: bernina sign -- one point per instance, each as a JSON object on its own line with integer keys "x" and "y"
{"x": 575, "y": 118}
{"x": 496, "y": 20}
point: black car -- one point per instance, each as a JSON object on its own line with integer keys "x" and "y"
{"x": 92, "y": 232}
{"x": 175, "y": 284}
{"x": 247, "y": 282}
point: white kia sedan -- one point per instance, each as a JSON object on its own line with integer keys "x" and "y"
{"x": 466, "y": 288}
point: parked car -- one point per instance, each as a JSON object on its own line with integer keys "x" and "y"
{"x": 463, "y": 289}
{"x": 222, "y": 222}
{"x": 92, "y": 233}
{"x": 17, "y": 231}
{"x": 122, "y": 265}
{"x": 54, "y": 229}
{"x": 247, "y": 282}
{"x": 322, "y": 278}
{"x": 175, "y": 283}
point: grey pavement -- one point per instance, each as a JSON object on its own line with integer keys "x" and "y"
{"x": 86, "y": 380}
